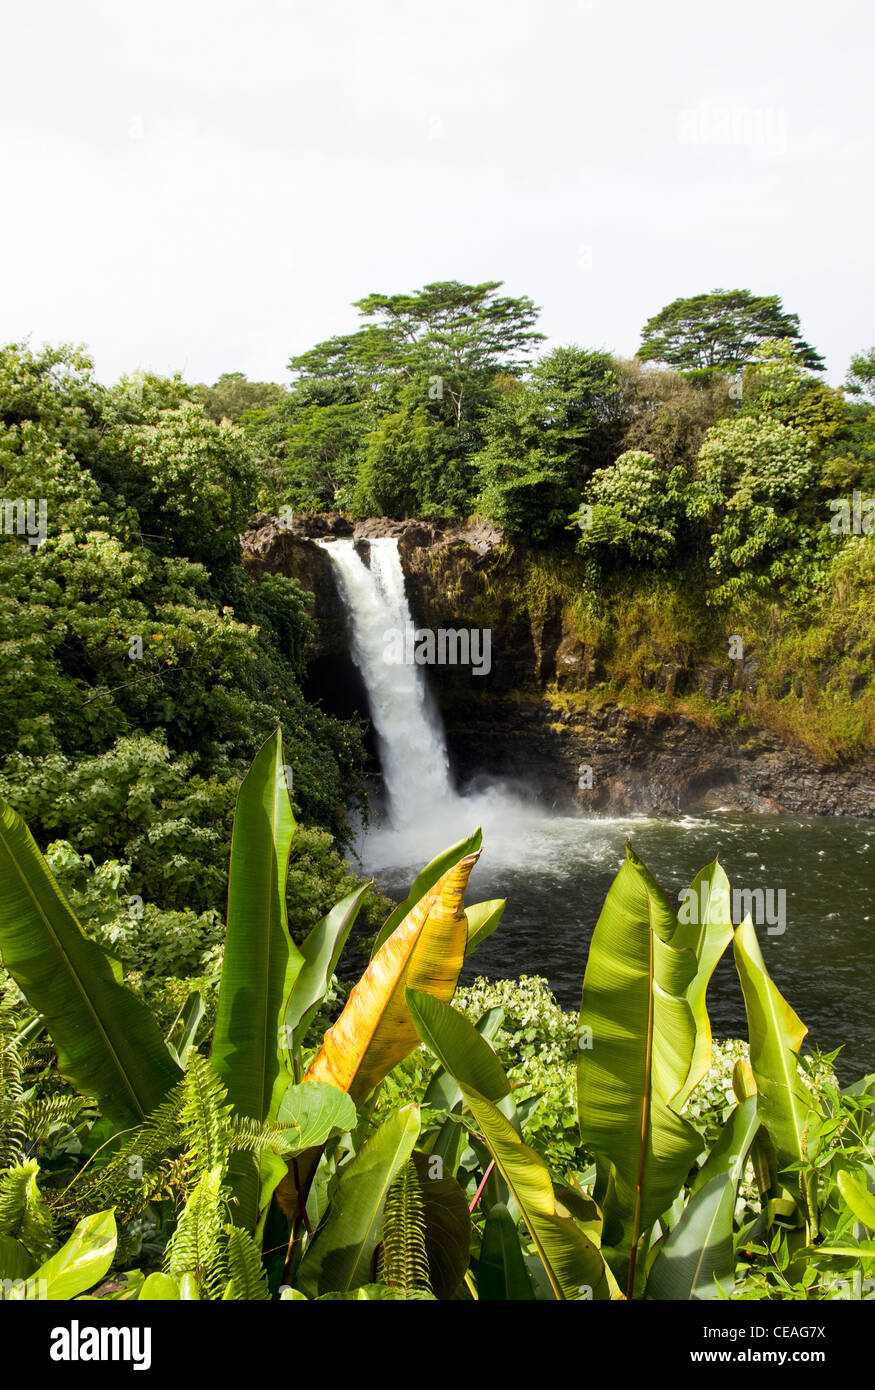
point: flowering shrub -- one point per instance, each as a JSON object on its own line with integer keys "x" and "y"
{"x": 752, "y": 475}
{"x": 537, "y": 1046}
{"x": 636, "y": 508}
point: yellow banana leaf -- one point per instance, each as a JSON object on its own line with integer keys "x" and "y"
{"x": 425, "y": 952}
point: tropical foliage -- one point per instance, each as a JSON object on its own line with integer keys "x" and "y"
{"x": 400, "y": 1158}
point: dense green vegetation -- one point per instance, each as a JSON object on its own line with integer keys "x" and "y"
{"x": 168, "y": 1109}
{"x": 667, "y": 503}
{"x": 141, "y": 666}
{"x": 417, "y": 1153}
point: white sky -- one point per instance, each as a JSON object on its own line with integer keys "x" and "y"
{"x": 206, "y": 187}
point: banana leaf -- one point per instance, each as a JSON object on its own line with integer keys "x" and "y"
{"x": 443, "y": 1093}
{"x": 340, "y": 1256}
{"x": 785, "y": 1106}
{"x": 260, "y": 967}
{"x": 109, "y": 1045}
{"x": 571, "y": 1260}
{"x": 483, "y": 918}
{"x": 636, "y": 1013}
{"x": 425, "y": 880}
{"x": 261, "y": 962}
{"x": 187, "y": 1022}
{"x": 733, "y": 1145}
{"x": 460, "y": 1047}
{"x": 375, "y": 1030}
{"x": 321, "y": 951}
{"x": 573, "y": 1263}
{"x": 502, "y": 1275}
{"x": 697, "y": 1258}
{"x": 707, "y": 936}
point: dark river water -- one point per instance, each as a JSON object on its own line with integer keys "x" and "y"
{"x": 555, "y": 872}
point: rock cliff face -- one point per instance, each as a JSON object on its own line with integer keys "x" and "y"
{"x": 543, "y": 713}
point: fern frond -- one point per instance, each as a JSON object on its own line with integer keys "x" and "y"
{"x": 24, "y": 1214}
{"x": 247, "y": 1276}
{"x": 205, "y": 1118}
{"x": 250, "y": 1136}
{"x": 41, "y": 1114}
{"x": 197, "y": 1246}
{"x": 137, "y": 1172}
{"x": 13, "y": 1136}
{"x": 403, "y": 1261}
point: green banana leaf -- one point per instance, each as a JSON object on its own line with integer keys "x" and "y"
{"x": 260, "y": 967}
{"x": 261, "y": 962}
{"x": 638, "y": 1019}
{"x": 776, "y": 1033}
{"x": 502, "y": 1274}
{"x": 730, "y": 1152}
{"x": 571, "y": 1260}
{"x": 321, "y": 950}
{"x": 109, "y": 1045}
{"x": 697, "y": 1258}
{"x": 858, "y": 1198}
{"x": 425, "y": 880}
{"x": 339, "y": 1258}
{"x": 186, "y": 1024}
{"x": 483, "y": 918}
{"x": 458, "y": 1046}
{"x": 447, "y": 1225}
{"x": 83, "y": 1260}
{"x": 698, "y": 1254}
{"x": 707, "y": 935}
{"x": 442, "y": 1092}
{"x": 159, "y": 1288}
{"x": 573, "y": 1263}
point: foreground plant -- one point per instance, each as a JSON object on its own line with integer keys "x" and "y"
{"x": 259, "y": 1172}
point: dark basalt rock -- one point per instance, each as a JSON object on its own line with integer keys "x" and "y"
{"x": 505, "y": 724}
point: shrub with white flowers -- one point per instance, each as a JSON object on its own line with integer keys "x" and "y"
{"x": 634, "y": 507}
{"x": 753, "y": 473}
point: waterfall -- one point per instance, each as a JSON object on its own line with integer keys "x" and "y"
{"x": 413, "y": 753}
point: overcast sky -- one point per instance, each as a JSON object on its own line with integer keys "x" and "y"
{"x": 206, "y": 187}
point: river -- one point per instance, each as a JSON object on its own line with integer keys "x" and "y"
{"x": 816, "y": 875}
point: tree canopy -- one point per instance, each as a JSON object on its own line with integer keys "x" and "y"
{"x": 722, "y": 330}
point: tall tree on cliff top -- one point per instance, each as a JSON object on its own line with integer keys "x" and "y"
{"x": 417, "y": 381}
{"x": 721, "y": 330}
{"x": 450, "y": 337}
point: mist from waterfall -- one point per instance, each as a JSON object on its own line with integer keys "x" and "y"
{"x": 555, "y": 869}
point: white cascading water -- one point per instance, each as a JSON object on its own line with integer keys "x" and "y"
{"x": 413, "y": 753}
{"x": 424, "y": 813}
